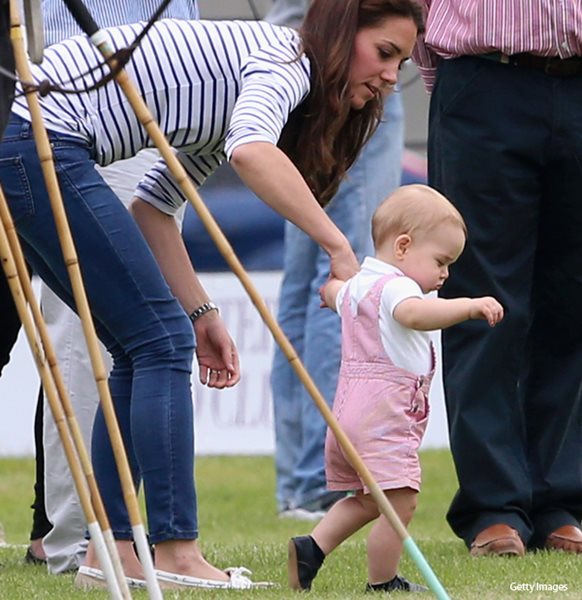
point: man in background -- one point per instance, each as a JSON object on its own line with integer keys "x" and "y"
{"x": 505, "y": 146}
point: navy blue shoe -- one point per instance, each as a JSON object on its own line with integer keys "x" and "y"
{"x": 304, "y": 561}
{"x": 397, "y": 584}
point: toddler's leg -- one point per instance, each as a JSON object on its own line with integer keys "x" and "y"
{"x": 345, "y": 517}
{"x": 384, "y": 545}
{"x": 307, "y": 553}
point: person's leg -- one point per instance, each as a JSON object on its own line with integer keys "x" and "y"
{"x": 8, "y": 334}
{"x": 10, "y": 326}
{"x": 40, "y": 523}
{"x": 285, "y": 385}
{"x": 307, "y": 553}
{"x": 10, "y": 322}
{"x": 6, "y": 83}
{"x": 66, "y": 544}
{"x": 287, "y": 12}
{"x": 486, "y": 152}
{"x": 151, "y": 342}
{"x": 343, "y": 519}
{"x": 384, "y": 545}
{"x": 372, "y": 178}
{"x": 552, "y": 390}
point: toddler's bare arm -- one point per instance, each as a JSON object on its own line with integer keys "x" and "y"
{"x": 329, "y": 291}
{"x": 426, "y": 314}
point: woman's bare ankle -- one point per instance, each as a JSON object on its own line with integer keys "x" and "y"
{"x": 129, "y": 561}
{"x": 91, "y": 557}
{"x": 185, "y": 558}
{"x": 37, "y": 549}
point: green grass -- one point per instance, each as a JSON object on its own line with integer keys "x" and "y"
{"x": 239, "y": 527}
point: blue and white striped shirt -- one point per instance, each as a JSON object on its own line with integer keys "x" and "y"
{"x": 211, "y": 85}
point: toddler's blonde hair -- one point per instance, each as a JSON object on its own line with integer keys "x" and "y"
{"x": 412, "y": 209}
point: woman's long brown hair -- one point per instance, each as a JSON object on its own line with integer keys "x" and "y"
{"x": 324, "y": 135}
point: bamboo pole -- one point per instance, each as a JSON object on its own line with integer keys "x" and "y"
{"x": 58, "y": 400}
{"x": 71, "y": 261}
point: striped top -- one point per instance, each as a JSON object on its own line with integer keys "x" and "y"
{"x": 59, "y": 24}
{"x": 469, "y": 27}
{"x": 211, "y": 85}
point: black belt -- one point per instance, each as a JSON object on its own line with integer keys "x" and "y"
{"x": 553, "y": 66}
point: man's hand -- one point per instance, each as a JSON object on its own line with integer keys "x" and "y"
{"x": 217, "y": 355}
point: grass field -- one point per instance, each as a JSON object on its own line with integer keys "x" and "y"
{"x": 239, "y": 527}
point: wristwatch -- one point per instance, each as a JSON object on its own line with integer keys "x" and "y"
{"x": 202, "y": 310}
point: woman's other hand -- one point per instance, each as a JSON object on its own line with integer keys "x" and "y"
{"x": 217, "y": 355}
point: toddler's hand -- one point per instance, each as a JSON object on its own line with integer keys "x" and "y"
{"x": 328, "y": 292}
{"x": 486, "y": 308}
{"x": 322, "y": 304}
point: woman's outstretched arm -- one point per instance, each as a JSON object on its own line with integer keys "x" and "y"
{"x": 268, "y": 172}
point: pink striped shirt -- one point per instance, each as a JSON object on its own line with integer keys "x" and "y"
{"x": 465, "y": 27}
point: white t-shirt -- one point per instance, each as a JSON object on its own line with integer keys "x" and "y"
{"x": 407, "y": 348}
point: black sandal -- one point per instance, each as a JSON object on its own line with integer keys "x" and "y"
{"x": 31, "y": 559}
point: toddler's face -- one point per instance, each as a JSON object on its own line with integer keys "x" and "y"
{"x": 430, "y": 254}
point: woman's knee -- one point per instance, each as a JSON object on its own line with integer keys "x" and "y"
{"x": 171, "y": 344}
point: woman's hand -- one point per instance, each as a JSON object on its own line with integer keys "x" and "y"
{"x": 217, "y": 355}
{"x": 343, "y": 264}
{"x": 269, "y": 173}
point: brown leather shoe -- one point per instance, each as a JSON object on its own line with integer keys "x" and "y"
{"x": 498, "y": 540}
{"x": 567, "y": 538}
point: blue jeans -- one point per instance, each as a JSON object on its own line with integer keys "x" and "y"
{"x": 142, "y": 325}
{"x": 315, "y": 333}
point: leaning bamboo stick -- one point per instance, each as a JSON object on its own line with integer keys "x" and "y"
{"x": 58, "y": 401}
{"x": 65, "y": 408}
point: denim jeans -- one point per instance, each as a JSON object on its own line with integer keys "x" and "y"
{"x": 65, "y": 545}
{"x": 314, "y": 332}
{"x": 141, "y": 324}
{"x": 287, "y": 12}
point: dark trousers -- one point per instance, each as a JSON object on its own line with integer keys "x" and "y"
{"x": 40, "y": 523}
{"x": 505, "y": 145}
{"x": 7, "y": 61}
{"x": 9, "y": 322}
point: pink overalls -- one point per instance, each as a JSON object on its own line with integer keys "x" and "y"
{"x": 382, "y": 408}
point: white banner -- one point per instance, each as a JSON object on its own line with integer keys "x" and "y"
{"x": 234, "y": 421}
{"x": 240, "y": 420}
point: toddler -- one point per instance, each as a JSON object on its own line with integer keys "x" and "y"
{"x": 388, "y": 361}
